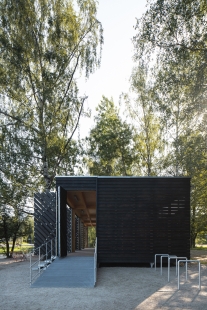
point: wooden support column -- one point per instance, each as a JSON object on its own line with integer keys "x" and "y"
{"x": 73, "y": 230}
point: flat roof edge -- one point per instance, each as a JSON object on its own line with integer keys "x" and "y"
{"x": 124, "y": 177}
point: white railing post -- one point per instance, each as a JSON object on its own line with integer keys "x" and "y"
{"x": 46, "y": 252}
{"x": 176, "y": 259}
{"x": 37, "y": 265}
{"x": 30, "y": 268}
{"x": 39, "y": 260}
{"x": 95, "y": 263}
{"x": 51, "y": 250}
{"x": 186, "y": 276}
{"x": 164, "y": 255}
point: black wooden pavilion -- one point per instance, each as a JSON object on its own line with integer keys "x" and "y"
{"x": 135, "y": 217}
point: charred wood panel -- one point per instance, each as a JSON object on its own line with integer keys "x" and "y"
{"x": 44, "y": 219}
{"x": 139, "y": 217}
{"x": 63, "y": 223}
{"x": 76, "y": 183}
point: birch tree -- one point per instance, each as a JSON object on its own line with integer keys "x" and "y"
{"x": 44, "y": 47}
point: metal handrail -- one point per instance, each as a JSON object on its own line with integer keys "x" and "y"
{"x": 186, "y": 275}
{"x": 95, "y": 263}
{"x": 176, "y": 264}
{"x": 40, "y": 264}
{"x": 155, "y": 261}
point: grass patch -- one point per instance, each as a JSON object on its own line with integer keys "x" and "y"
{"x": 200, "y": 247}
{"x": 25, "y": 247}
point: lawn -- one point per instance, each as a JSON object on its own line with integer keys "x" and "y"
{"x": 24, "y": 247}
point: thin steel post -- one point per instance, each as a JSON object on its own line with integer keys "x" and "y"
{"x": 179, "y": 257}
{"x": 166, "y": 255}
{"x": 94, "y": 269}
{"x": 168, "y": 269}
{"x": 176, "y": 259}
{"x": 186, "y": 270}
{"x": 46, "y": 253}
{"x": 163, "y": 255}
{"x": 178, "y": 275}
{"x": 161, "y": 265}
{"x": 51, "y": 250}
{"x": 59, "y": 233}
{"x": 30, "y": 268}
{"x": 39, "y": 260}
{"x": 199, "y": 271}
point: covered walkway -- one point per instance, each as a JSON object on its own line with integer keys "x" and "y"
{"x": 75, "y": 270}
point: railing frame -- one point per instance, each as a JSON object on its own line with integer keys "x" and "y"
{"x": 186, "y": 266}
{"x": 38, "y": 265}
{"x": 164, "y": 255}
{"x": 176, "y": 264}
{"x": 95, "y": 263}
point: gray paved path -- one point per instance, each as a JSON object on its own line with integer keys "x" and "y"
{"x": 75, "y": 270}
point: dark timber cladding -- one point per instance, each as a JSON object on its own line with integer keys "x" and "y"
{"x": 44, "y": 218}
{"x": 139, "y": 217}
{"x": 135, "y": 217}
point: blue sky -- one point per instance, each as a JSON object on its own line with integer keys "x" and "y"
{"x": 118, "y": 18}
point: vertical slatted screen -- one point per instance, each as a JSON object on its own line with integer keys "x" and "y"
{"x": 69, "y": 229}
{"x": 44, "y": 218}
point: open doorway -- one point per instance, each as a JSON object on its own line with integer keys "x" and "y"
{"x": 83, "y": 208}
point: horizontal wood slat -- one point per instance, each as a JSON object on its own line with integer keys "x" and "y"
{"x": 76, "y": 183}
{"x": 139, "y": 217}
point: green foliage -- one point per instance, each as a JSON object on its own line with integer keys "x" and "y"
{"x": 173, "y": 35}
{"x": 110, "y": 145}
{"x": 43, "y": 45}
{"x": 91, "y": 236}
{"x": 147, "y": 136}
{"x": 201, "y": 238}
{"x": 13, "y": 224}
{"x": 174, "y": 32}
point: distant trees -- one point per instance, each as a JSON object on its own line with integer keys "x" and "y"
{"x": 15, "y": 189}
{"x": 13, "y": 224}
{"x": 110, "y": 142}
{"x": 148, "y": 144}
{"x": 91, "y": 236}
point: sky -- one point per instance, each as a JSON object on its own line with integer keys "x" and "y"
{"x": 118, "y": 18}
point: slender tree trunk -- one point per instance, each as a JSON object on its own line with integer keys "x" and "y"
{"x": 6, "y": 236}
{"x": 193, "y": 233}
{"x": 176, "y": 140}
{"x": 7, "y": 249}
{"x": 13, "y": 243}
